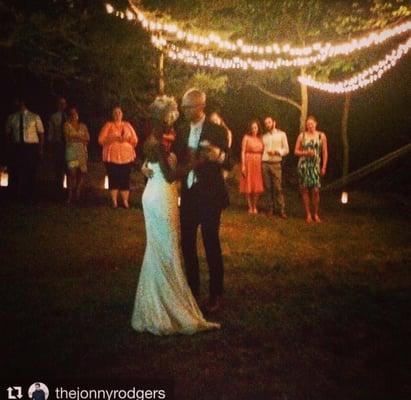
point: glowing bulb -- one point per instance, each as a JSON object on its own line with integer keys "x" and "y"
{"x": 4, "y": 180}
{"x": 344, "y": 197}
{"x": 65, "y": 182}
{"x": 106, "y": 182}
{"x": 109, "y": 8}
{"x": 286, "y": 48}
{"x": 129, "y": 14}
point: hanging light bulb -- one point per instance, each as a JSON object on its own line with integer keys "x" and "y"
{"x": 129, "y": 15}
{"x": 109, "y": 8}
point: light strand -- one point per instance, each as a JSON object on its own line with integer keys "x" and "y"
{"x": 362, "y": 79}
{"x": 171, "y": 28}
{"x": 209, "y": 59}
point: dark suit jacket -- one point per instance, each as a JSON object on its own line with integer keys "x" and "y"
{"x": 211, "y": 185}
{"x": 38, "y": 395}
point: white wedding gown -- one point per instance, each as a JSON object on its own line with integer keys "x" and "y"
{"x": 164, "y": 303}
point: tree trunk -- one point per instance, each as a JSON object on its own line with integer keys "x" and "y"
{"x": 344, "y": 136}
{"x": 304, "y": 103}
{"x": 161, "y": 83}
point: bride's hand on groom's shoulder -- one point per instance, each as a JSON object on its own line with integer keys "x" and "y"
{"x": 172, "y": 161}
{"x": 147, "y": 172}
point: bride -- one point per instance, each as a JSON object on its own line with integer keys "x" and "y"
{"x": 164, "y": 303}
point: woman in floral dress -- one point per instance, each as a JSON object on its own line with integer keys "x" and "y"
{"x": 311, "y": 148}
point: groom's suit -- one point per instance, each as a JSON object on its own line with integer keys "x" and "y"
{"x": 201, "y": 205}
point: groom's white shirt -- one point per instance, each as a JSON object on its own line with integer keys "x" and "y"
{"x": 193, "y": 142}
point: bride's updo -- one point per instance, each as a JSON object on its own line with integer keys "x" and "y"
{"x": 164, "y": 111}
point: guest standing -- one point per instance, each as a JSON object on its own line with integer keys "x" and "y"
{"x": 311, "y": 148}
{"x": 56, "y": 139}
{"x": 77, "y": 138}
{"x": 251, "y": 183}
{"x": 216, "y": 118}
{"x": 119, "y": 140}
{"x": 25, "y": 135}
{"x": 275, "y": 148}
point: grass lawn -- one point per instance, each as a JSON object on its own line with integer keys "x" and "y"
{"x": 312, "y": 312}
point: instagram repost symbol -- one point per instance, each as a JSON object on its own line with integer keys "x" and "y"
{"x": 14, "y": 392}
{"x": 38, "y": 391}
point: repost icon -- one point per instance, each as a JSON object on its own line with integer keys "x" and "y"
{"x": 14, "y": 392}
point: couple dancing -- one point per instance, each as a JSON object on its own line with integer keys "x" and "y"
{"x": 166, "y": 301}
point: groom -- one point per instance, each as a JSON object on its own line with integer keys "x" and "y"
{"x": 200, "y": 148}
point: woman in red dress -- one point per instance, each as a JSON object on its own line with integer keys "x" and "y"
{"x": 251, "y": 183}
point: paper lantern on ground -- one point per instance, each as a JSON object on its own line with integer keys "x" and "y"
{"x": 4, "y": 179}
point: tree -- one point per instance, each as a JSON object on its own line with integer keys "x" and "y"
{"x": 79, "y": 50}
{"x": 348, "y": 21}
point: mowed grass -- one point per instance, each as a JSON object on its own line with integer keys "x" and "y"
{"x": 312, "y": 312}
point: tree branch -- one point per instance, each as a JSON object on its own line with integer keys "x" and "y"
{"x": 278, "y": 97}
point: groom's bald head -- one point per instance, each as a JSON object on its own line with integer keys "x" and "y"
{"x": 193, "y": 104}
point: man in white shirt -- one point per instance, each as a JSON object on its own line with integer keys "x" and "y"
{"x": 57, "y": 141}
{"x": 275, "y": 148}
{"x": 25, "y": 136}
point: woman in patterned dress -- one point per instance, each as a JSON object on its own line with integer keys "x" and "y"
{"x": 311, "y": 148}
{"x": 251, "y": 183}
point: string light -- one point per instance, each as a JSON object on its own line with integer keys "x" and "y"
{"x": 299, "y": 56}
{"x": 109, "y": 8}
{"x": 325, "y": 49}
{"x": 210, "y": 60}
{"x": 363, "y": 78}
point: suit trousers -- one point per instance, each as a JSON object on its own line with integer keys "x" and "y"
{"x": 194, "y": 213}
{"x": 272, "y": 175}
